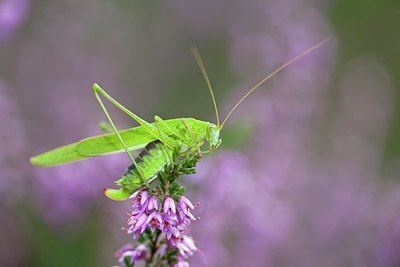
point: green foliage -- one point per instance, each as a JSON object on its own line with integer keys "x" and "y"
{"x": 181, "y": 166}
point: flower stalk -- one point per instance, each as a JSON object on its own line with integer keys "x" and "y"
{"x": 159, "y": 220}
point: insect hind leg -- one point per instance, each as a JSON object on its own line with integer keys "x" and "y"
{"x": 96, "y": 90}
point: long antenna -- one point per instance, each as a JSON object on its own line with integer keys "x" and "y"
{"x": 272, "y": 74}
{"x": 199, "y": 61}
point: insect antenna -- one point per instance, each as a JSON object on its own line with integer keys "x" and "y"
{"x": 304, "y": 53}
{"x": 197, "y": 57}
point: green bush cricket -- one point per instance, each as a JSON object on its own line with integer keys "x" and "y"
{"x": 158, "y": 140}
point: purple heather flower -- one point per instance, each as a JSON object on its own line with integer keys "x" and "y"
{"x": 187, "y": 202}
{"x": 144, "y": 196}
{"x": 173, "y": 241}
{"x": 138, "y": 210}
{"x": 135, "y": 194}
{"x": 182, "y": 263}
{"x": 169, "y": 206}
{"x": 138, "y": 224}
{"x": 140, "y": 198}
{"x": 136, "y": 220}
{"x": 186, "y": 246}
{"x": 154, "y": 220}
{"x": 152, "y": 204}
{"x": 183, "y": 224}
{"x": 123, "y": 249}
{"x": 168, "y": 222}
{"x": 134, "y": 254}
{"x": 168, "y": 226}
{"x": 184, "y": 205}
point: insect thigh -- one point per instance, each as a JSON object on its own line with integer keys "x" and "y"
{"x": 145, "y": 152}
{"x": 150, "y": 161}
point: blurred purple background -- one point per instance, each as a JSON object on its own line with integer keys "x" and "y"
{"x": 307, "y": 174}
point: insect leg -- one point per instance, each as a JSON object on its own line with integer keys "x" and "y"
{"x": 172, "y": 130}
{"x": 151, "y": 129}
{"x": 103, "y": 107}
{"x": 163, "y": 144}
{"x": 194, "y": 136}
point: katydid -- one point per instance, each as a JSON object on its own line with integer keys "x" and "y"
{"x": 158, "y": 140}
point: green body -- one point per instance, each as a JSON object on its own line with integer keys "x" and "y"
{"x": 135, "y": 138}
{"x": 159, "y": 140}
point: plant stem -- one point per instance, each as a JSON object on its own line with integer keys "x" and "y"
{"x": 154, "y": 249}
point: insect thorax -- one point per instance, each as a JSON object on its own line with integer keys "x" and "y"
{"x": 190, "y": 135}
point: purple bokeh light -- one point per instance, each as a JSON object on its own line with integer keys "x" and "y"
{"x": 12, "y": 15}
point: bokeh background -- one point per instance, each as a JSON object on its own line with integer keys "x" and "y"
{"x": 308, "y": 172}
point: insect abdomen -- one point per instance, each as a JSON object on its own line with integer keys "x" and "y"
{"x": 150, "y": 161}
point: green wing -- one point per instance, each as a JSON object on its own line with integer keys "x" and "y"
{"x": 61, "y": 155}
{"x": 134, "y": 138}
